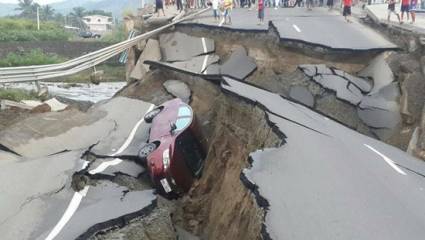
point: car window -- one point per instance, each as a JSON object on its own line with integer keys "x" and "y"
{"x": 182, "y": 123}
{"x": 184, "y": 111}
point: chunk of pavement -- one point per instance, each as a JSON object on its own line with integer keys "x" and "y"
{"x": 379, "y": 118}
{"x": 33, "y": 188}
{"x": 107, "y": 123}
{"x": 7, "y": 104}
{"x": 344, "y": 90}
{"x": 302, "y": 95}
{"x": 322, "y": 69}
{"x": 56, "y": 105}
{"x": 308, "y": 69}
{"x": 178, "y": 89}
{"x": 194, "y": 66}
{"x": 115, "y": 166}
{"x": 385, "y": 99}
{"x": 151, "y": 52}
{"x": 378, "y": 70}
{"x": 363, "y": 84}
{"x": 239, "y": 65}
{"x": 177, "y": 46}
{"x": 105, "y": 206}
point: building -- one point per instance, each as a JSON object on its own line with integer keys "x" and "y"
{"x": 98, "y": 23}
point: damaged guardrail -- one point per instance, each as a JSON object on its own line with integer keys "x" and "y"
{"x": 41, "y": 72}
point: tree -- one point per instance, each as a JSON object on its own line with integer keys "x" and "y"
{"x": 78, "y": 12}
{"x": 47, "y": 12}
{"x": 28, "y": 8}
{"x": 76, "y": 17}
{"x": 98, "y": 12}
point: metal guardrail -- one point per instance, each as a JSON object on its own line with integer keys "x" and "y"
{"x": 41, "y": 72}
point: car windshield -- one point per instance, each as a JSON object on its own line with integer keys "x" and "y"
{"x": 184, "y": 111}
{"x": 181, "y": 123}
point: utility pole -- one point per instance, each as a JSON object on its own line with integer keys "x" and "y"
{"x": 38, "y": 18}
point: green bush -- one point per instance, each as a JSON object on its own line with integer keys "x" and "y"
{"x": 17, "y": 95}
{"x": 34, "y": 57}
{"x": 26, "y": 30}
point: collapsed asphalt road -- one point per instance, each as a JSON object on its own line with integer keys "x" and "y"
{"x": 328, "y": 181}
{"x": 38, "y": 197}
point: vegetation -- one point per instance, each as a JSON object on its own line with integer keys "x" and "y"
{"x": 117, "y": 35}
{"x": 112, "y": 73}
{"x": 34, "y": 57}
{"x": 17, "y": 95}
{"x": 26, "y": 30}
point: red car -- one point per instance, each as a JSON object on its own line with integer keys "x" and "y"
{"x": 174, "y": 155}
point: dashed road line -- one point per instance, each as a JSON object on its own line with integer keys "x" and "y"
{"x": 296, "y": 28}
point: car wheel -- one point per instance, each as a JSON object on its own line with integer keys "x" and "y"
{"x": 152, "y": 114}
{"x": 146, "y": 150}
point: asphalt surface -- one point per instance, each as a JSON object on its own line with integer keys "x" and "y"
{"x": 38, "y": 201}
{"x": 318, "y": 27}
{"x": 330, "y": 182}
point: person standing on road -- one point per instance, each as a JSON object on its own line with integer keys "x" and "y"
{"x": 330, "y": 4}
{"x": 159, "y": 5}
{"x": 391, "y": 10}
{"x": 261, "y": 11}
{"x": 347, "y": 10}
{"x": 404, "y": 9}
{"x": 215, "y": 10}
{"x": 310, "y": 5}
{"x": 413, "y": 6}
{"x": 179, "y": 5}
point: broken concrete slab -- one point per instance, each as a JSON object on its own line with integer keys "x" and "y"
{"x": 324, "y": 178}
{"x": 177, "y": 46}
{"x": 178, "y": 89}
{"x": 111, "y": 167}
{"x": 105, "y": 206}
{"x": 33, "y": 198}
{"x": 195, "y": 66}
{"x": 378, "y": 70}
{"x": 238, "y": 66}
{"x": 302, "y": 95}
{"x": 344, "y": 90}
{"x": 106, "y": 124}
{"x": 55, "y": 105}
{"x": 151, "y": 52}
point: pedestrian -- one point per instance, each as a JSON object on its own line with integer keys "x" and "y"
{"x": 179, "y": 5}
{"x": 228, "y": 6}
{"x": 347, "y": 10}
{"x": 261, "y": 11}
{"x": 413, "y": 6}
{"x": 404, "y": 9}
{"x": 330, "y": 4}
{"x": 391, "y": 10}
{"x": 309, "y": 5}
{"x": 215, "y": 10}
{"x": 159, "y": 6}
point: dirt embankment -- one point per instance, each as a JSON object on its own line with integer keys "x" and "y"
{"x": 218, "y": 206}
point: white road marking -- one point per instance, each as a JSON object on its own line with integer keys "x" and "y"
{"x": 78, "y": 196}
{"x": 204, "y": 64}
{"x": 387, "y": 160}
{"x": 204, "y": 45}
{"x": 296, "y": 28}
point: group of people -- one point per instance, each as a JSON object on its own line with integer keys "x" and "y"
{"x": 408, "y": 7}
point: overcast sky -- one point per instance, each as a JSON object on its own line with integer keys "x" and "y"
{"x": 41, "y": 2}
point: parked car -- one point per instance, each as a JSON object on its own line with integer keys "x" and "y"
{"x": 174, "y": 155}
{"x": 88, "y": 34}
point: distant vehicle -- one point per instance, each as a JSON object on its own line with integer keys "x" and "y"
{"x": 174, "y": 155}
{"x": 88, "y": 34}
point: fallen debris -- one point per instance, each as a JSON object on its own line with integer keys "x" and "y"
{"x": 178, "y": 89}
